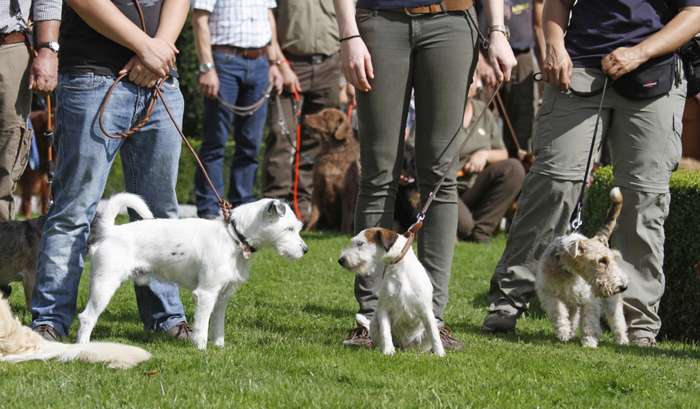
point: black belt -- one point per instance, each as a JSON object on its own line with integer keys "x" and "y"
{"x": 313, "y": 59}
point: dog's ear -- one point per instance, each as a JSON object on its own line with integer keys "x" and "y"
{"x": 342, "y": 126}
{"x": 276, "y": 208}
{"x": 315, "y": 122}
{"x": 387, "y": 238}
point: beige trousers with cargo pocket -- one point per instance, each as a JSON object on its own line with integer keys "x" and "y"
{"x": 644, "y": 140}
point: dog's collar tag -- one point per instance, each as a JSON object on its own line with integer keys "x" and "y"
{"x": 246, "y": 249}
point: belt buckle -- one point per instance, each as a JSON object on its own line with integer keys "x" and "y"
{"x": 408, "y": 12}
{"x": 317, "y": 59}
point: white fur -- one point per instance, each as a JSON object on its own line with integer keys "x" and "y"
{"x": 198, "y": 254}
{"x": 405, "y": 296}
{"x": 570, "y": 291}
{"x": 19, "y": 343}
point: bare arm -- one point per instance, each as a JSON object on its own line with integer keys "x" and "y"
{"x": 479, "y": 159}
{"x": 209, "y": 81}
{"x": 355, "y": 58}
{"x": 500, "y": 56}
{"x": 674, "y": 34}
{"x": 274, "y": 53}
{"x": 557, "y": 65}
{"x": 43, "y": 75}
{"x": 172, "y": 18}
{"x": 104, "y": 17}
{"x": 539, "y": 31}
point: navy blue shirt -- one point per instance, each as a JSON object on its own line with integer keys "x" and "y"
{"x": 598, "y": 27}
{"x": 519, "y": 22}
{"x": 392, "y": 4}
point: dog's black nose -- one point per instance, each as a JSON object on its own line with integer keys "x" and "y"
{"x": 623, "y": 288}
{"x": 305, "y": 249}
{"x": 341, "y": 261}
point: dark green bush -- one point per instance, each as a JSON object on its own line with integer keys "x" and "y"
{"x": 680, "y": 310}
{"x": 187, "y": 69}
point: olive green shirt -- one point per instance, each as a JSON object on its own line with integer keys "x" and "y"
{"x": 483, "y": 134}
{"x": 307, "y": 27}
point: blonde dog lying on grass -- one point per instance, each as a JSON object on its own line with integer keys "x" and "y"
{"x": 19, "y": 343}
{"x": 404, "y": 312}
{"x": 579, "y": 279}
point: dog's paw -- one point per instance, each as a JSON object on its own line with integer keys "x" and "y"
{"x": 219, "y": 342}
{"x": 200, "y": 343}
{"x": 589, "y": 342}
{"x": 623, "y": 340}
{"x": 389, "y": 351}
{"x": 564, "y": 335}
{"x": 440, "y": 352}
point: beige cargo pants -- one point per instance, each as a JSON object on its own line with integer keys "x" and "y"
{"x": 15, "y": 103}
{"x": 644, "y": 139}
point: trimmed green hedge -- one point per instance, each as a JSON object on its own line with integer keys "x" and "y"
{"x": 680, "y": 305}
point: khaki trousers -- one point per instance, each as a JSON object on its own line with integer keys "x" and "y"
{"x": 433, "y": 56}
{"x": 644, "y": 139}
{"x": 320, "y": 85}
{"x": 15, "y": 140}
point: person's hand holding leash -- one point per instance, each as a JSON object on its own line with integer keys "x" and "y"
{"x": 357, "y": 63}
{"x": 291, "y": 81}
{"x": 139, "y": 74}
{"x": 557, "y": 66}
{"x": 43, "y": 75}
{"x": 622, "y": 60}
{"x": 486, "y": 73}
{"x": 501, "y": 56}
{"x": 276, "y": 79}
{"x": 158, "y": 55}
{"x": 209, "y": 84}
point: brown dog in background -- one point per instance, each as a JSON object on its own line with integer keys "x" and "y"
{"x": 336, "y": 172}
{"x": 35, "y": 182}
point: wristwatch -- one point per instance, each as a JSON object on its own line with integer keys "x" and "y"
{"x": 51, "y": 45}
{"x": 202, "y": 68}
{"x": 500, "y": 28}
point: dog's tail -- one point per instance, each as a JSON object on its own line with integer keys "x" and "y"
{"x": 613, "y": 213}
{"x": 19, "y": 343}
{"x": 116, "y": 203}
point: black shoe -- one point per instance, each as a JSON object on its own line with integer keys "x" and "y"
{"x": 47, "y": 332}
{"x": 500, "y": 322}
{"x": 358, "y": 338}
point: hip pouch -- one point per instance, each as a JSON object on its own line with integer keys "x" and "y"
{"x": 652, "y": 79}
{"x": 690, "y": 53}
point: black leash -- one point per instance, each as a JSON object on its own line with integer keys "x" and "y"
{"x": 576, "y": 220}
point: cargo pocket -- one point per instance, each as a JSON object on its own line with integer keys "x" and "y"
{"x": 22, "y": 156}
{"x": 674, "y": 147}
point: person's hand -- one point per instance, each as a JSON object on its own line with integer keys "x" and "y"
{"x": 477, "y": 162}
{"x": 357, "y": 63}
{"x": 622, "y": 60}
{"x": 209, "y": 83}
{"x": 486, "y": 73}
{"x": 276, "y": 79}
{"x": 350, "y": 92}
{"x": 43, "y": 74}
{"x": 139, "y": 74}
{"x": 557, "y": 66}
{"x": 158, "y": 55}
{"x": 501, "y": 56}
{"x": 291, "y": 81}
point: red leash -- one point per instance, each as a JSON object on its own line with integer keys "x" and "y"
{"x": 296, "y": 99}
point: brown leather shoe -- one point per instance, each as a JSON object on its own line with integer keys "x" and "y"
{"x": 47, "y": 332}
{"x": 358, "y": 338}
{"x": 181, "y": 331}
{"x": 449, "y": 342}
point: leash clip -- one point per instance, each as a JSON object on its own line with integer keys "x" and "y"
{"x": 577, "y": 222}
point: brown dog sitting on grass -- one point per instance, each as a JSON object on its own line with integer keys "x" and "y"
{"x": 336, "y": 172}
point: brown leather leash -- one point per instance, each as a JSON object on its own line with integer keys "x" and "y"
{"x": 157, "y": 94}
{"x": 415, "y": 227}
{"x": 49, "y": 135}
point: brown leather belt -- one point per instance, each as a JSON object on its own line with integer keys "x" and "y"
{"x": 248, "y": 53}
{"x": 441, "y": 7}
{"x": 12, "y": 38}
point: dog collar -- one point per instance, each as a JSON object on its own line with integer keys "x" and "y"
{"x": 247, "y": 249}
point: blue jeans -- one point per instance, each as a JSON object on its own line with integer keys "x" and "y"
{"x": 242, "y": 82}
{"x": 84, "y": 158}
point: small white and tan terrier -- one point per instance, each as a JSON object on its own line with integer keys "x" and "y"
{"x": 404, "y": 314}
{"x": 579, "y": 279}
{"x": 208, "y": 256}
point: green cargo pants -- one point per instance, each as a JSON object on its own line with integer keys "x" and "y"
{"x": 643, "y": 137}
{"x": 15, "y": 103}
{"x": 434, "y": 55}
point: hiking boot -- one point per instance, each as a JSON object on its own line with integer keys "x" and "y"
{"x": 643, "y": 341}
{"x": 449, "y": 342}
{"x": 47, "y": 332}
{"x": 358, "y": 338}
{"x": 499, "y": 322}
{"x": 181, "y": 331}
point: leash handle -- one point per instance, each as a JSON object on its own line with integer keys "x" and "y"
{"x": 576, "y": 220}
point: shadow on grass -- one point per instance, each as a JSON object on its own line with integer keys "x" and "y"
{"x": 334, "y": 312}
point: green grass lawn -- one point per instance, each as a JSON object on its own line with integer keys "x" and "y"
{"x": 283, "y": 349}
